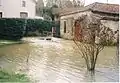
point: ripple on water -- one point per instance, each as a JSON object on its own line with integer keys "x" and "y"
{"x": 57, "y": 62}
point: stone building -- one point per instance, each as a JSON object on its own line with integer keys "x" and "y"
{"x": 107, "y": 13}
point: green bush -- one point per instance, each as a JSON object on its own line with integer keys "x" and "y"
{"x": 16, "y": 28}
{"x": 42, "y": 25}
{"x": 37, "y": 24}
{"x": 11, "y": 28}
{"x": 12, "y": 77}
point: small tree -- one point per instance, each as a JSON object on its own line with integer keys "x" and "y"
{"x": 90, "y": 44}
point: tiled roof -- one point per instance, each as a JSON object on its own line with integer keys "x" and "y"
{"x": 104, "y": 7}
{"x": 66, "y": 11}
{"x": 100, "y": 7}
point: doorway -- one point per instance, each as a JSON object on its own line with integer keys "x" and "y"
{"x": 78, "y": 31}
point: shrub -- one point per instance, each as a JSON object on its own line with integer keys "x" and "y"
{"x": 16, "y": 28}
{"x": 33, "y": 25}
{"x": 12, "y": 77}
{"x": 11, "y": 28}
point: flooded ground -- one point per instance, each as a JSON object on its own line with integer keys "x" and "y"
{"x": 57, "y": 61}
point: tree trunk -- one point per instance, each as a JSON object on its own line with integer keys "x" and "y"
{"x": 90, "y": 65}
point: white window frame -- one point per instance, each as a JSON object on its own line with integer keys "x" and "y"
{"x": 23, "y": 13}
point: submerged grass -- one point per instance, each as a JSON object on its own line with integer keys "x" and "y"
{"x": 12, "y": 77}
{"x": 10, "y": 42}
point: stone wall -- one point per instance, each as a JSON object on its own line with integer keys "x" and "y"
{"x": 70, "y": 19}
{"x": 114, "y": 25}
{"x": 69, "y": 28}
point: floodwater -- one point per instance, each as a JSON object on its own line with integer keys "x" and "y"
{"x": 57, "y": 61}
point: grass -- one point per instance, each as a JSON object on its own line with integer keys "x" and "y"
{"x": 9, "y": 42}
{"x": 12, "y": 77}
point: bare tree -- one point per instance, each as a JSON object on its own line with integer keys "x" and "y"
{"x": 50, "y": 3}
{"x": 39, "y": 7}
{"x": 90, "y": 45}
{"x": 78, "y": 3}
{"x": 67, "y": 4}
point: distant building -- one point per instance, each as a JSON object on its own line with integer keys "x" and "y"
{"x": 17, "y": 8}
{"x": 109, "y": 14}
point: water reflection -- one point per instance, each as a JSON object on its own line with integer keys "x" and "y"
{"x": 57, "y": 62}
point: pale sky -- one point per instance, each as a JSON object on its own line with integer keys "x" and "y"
{"x": 102, "y": 1}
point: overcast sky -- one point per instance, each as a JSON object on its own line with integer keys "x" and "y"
{"x": 103, "y": 1}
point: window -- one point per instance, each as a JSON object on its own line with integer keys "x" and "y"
{"x": 0, "y": 14}
{"x": 23, "y": 3}
{"x": 72, "y": 25}
{"x": 23, "y": 14}
{"x": 64, "y": 26}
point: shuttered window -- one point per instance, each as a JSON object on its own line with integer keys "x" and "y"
{"x": 23, "y": 3}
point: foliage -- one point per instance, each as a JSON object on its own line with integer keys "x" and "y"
{"x": 12, "y": 77}
{"x": 11, "y": 28}
{"x": 16, "y": 28}
{"x": 65, "y": 3}
{"x": 47, "y": 13}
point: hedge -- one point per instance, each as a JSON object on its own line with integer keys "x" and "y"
{"x": 16, "y": 28}
{"x": 38, "y": 24}
{"x": 11, "y": 28}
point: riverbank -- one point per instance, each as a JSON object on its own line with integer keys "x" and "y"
{"x": 6, "y": 76}
{"x": 12, "y": 77}
{"x": 10, "y": 42}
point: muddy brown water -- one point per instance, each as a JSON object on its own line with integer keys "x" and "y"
{"x": 57, "y": 62}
